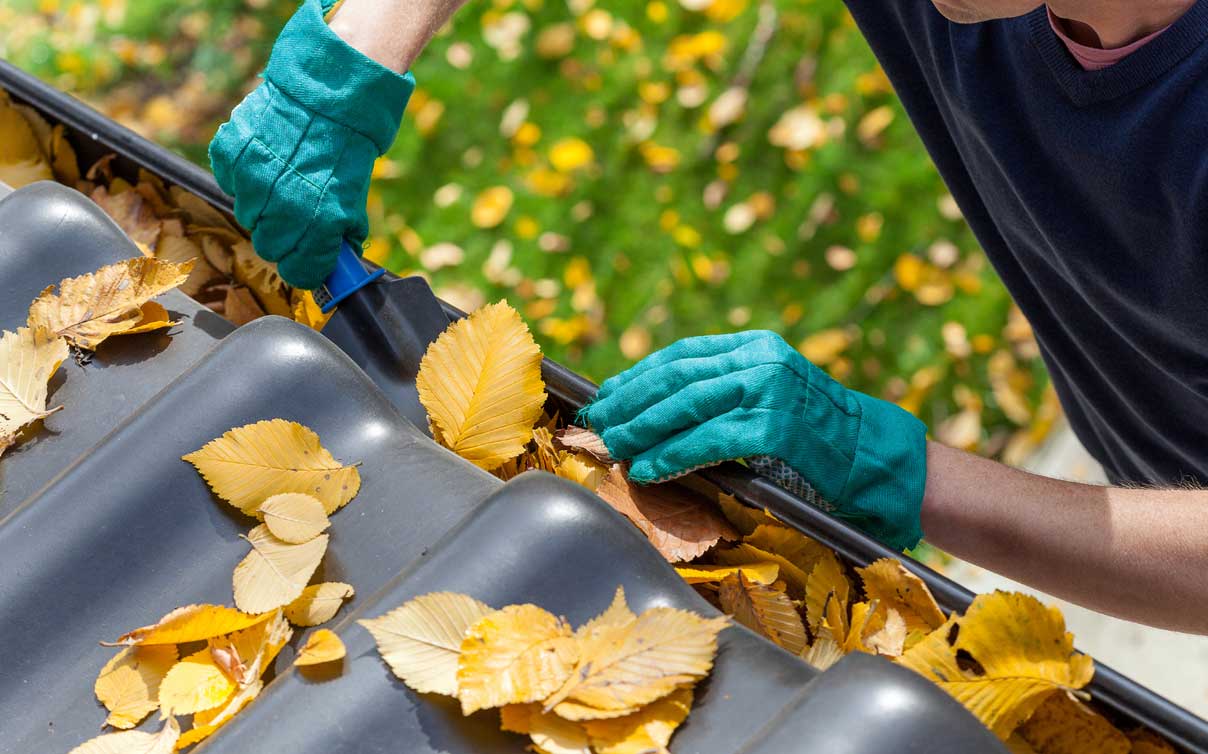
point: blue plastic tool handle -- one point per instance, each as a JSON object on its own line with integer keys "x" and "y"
{"x": 347, "y": 278}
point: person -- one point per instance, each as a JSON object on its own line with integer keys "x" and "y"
{"x": 1072, "y": 136}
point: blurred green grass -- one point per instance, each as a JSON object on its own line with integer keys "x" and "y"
{"x": 854, "y": 249}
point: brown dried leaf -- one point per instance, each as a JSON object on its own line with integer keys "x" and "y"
{"x": 764, "y": 610}
{"x": 680, "y": 525}
{"x": 577, "y": 439}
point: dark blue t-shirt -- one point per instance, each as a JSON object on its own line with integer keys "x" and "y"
{"x": 1089, "y": 193}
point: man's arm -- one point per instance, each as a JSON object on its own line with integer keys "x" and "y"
{"x": 391, "y": 32}
{"x": 1139, "y": 554}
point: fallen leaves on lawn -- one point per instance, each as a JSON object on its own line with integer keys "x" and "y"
{"x": 111, "y": 301}
{"x": 29, "y": 357}
{"x": 480, "y": 382}
{"x": 620, "y": 683}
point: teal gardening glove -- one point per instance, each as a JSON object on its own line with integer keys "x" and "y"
{"x": 298, "y": 153}
{"x": 716, "y": 398}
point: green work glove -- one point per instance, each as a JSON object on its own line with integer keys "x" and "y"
{"x": 711, "y": 399}
{"x": 298, "y": 152}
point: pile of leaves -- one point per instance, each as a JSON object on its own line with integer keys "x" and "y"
{"x": 619, "y": 683}
{"x": 86, "y": 310}
{"x": 166, "y": 222}
{"x": 1008, "y": 659}
{"x": 278, "y": 472}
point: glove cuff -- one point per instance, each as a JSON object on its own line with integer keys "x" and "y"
{"x": 326, "y": 75}
{"x": 884, "y": 494}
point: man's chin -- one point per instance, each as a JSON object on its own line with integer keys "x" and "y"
{"x": 958, "y": 15}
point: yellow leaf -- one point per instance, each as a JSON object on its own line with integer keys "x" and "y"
{"x": 1064, "y": 725}
{"x": 549, "y": 733}
{"x": 191, "y": 623}
{"x": 21, "y": 159}
{"x": 275, "y": 572}
{"x": 262, "y": 277}
{"x": 306, "y": 310}
{"x": 823, "y": 653}
{"x": 827, "y": 584}
{"x": 131, "y": 212}
{"x": 824, "y": 347}
{"x": 888, "y": 582}
{"x": 618, "y": 615}
{"x": 128, "y": 685}
{"x": 790, "y": 544}
{"x": 1022, "y": 652}
{"x": 757, "y": 573}
{"x": 421, "y": 640}
{"x": 251, "y": 463}
{"x": 194, "y": 684}
{"x": 766, "y": 611}
{"x": 571, "y": 154}
{"x": 647, "y": 730}
{"x": 582, "y": 469}
{"x": 178, "y": 249}
{"x": 294, "y": 517}
{"x": 239, "y": 306}
{"x": 744, "y": 518}
{"x": 1148, "y": 742}
{"x": 63, "y": 157}
{"x": 318, "y": 603}
{"x": 133, "y": 741}
{"x": 890, "y": 638}
{"x": 518, "y": 654}
{"x": 635, "y": 664}
{"x": 680, "y": 524}
{"x": 745, "y": 554}
{"x": 90, "y": 308}
{"x": 481, "y": 385}
{"x": 28, "y": 359}
{"x": 321, "y": 647}
{"x": 546, "y": 455}
{"x": 207, "y": 722}
{"x": 152, "y": 316}
{"x": 491, "y": 207}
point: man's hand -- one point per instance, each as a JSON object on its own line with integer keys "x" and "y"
{"x": 710, "y": 399}
{"x": 298, "y": 153}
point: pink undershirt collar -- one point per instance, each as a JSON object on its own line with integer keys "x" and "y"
{"x": 1095, "y": 58}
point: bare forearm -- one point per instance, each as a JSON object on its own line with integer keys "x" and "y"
{"x": 391, "y": 32}
{"x": 1139, "y": 554}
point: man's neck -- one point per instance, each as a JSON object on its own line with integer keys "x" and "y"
{"x": 1116, "y": 23}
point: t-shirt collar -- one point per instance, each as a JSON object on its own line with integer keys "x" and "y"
{"x": 1136, "y": 70}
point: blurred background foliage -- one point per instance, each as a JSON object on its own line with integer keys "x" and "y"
{"x": 626, "y": 174}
